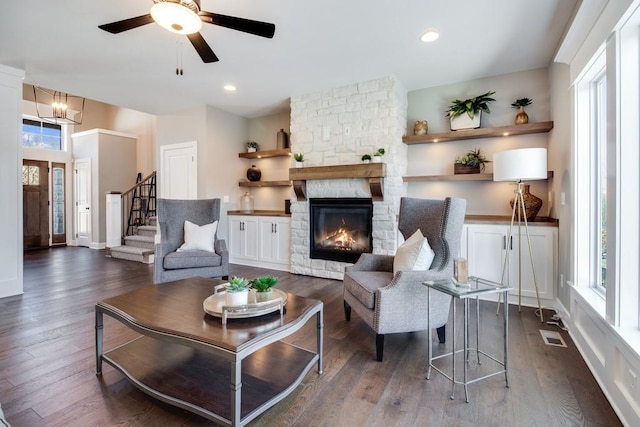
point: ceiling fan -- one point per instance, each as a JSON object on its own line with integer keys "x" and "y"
{"x": 186, "y": 17}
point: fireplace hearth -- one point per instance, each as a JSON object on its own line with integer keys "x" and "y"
{"x": 341, "y": 228}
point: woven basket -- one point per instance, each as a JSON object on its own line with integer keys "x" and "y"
{"x": 463, "y": 169}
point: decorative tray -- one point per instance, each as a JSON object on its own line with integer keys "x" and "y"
{"x": 215, "y": 305}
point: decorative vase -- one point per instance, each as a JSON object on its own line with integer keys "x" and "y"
{"x": 251, "y": 150}
{"x": 377, "y": 159}
{"x": 459, "y": 168}
{"x": 264, "y": 296}
{"x": 254, "y": 173}
{"x": 522, "y": 118}
{"x": 234, "y": 299}
{"x": 421, "y": 127}
{"x": 283, "y": 140}
{"x": 463, "y": 121}
{"x": 532, "y": 204}
{"x": 246, "y": 203}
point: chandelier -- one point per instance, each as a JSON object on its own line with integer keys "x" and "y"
{"x": 58, "y": 107}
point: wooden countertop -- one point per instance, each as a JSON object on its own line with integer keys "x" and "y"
{"x": 506, "y": 219}
{"x": 258, "y": 212}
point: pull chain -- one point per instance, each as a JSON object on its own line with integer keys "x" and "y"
{"x": 179, "y": 69}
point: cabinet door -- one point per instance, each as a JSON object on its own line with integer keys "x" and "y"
{"x": 274, "y": 239}
{"x": 243, "y": 237}
{"x": 486, "y": 246}
{"x": 283, "y": 240}
{"x": 543, "y": 253}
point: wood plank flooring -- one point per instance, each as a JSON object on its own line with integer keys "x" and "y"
{"x": 47, "y": 362}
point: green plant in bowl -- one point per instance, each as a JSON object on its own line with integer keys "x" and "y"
{"x": 471, "y": 106}
{"x": 298, "y": 157}
{"x": 366, "y": 157}
{"x": 264, "y": 284}
{"x": 379, "y": 152}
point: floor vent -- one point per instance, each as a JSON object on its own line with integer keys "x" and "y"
{"x": 552, "y": 338}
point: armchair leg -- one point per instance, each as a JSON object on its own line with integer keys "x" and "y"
{"x": 347, "y": 311}
{"x": 379, "y": 346}
{"x": 441, "y": 334}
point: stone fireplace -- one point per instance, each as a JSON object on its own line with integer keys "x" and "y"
{"x": 336, "y": 127}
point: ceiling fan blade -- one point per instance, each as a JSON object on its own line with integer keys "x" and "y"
{"x": 127, "y": 24}
{"x": 203, "y": 49}
{"x": 258, "y": 28}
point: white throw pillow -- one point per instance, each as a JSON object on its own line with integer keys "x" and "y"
{"x": 414, "y": 254}
{"x": 199, "y": 238}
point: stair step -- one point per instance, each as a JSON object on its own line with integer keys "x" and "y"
{"x": 137, "y": 241}
{"x": 153, "y": 220}
{"x": 132, "y": 253}
{"x": 147, "y": 230}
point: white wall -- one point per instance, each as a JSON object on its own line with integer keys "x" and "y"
{"x": 484, "y": 197}
{"x": 11, "y": 181}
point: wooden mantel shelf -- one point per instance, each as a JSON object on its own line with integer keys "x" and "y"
{"x": 373, "y": 172}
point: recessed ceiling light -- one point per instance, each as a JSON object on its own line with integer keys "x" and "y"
{"x": 230, "y": 88}
{"x": 429, "y": 36}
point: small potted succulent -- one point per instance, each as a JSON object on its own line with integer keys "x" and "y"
{"x": 237, "y": 291}
{"x": 299, "y": 158}
{"x": 366, "y": 158}
{"x": 252, "y": 147}
{"x": 262, "y": 286}
{"x": 472, "y": 162}
{"x": 466, "y": 114}
{"x": 377, "y": 156}
{"x": 521, "y": 118}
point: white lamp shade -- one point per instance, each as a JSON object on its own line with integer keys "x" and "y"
{"x": 176, "y": 18}
{"x": 524, "y": 164}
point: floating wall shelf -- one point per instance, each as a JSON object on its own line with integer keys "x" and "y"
{"x": 459, "y": 177}
{"x": 463, "y": 134}
{"x": 264, "y": 183}
{"x": 265, "y": 154}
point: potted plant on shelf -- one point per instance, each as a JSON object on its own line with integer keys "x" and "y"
{"x": 299, "y": 158}
{"x": 366, "y": 158}
{"x": 472, "y": 162}
{"x": 377, "y": 156}
{"x": 522, "y": 117}
{"x": 252, "y": 147}
{"x": 237, "y": 291}
{"x": 466, "y": 114}
{"x": 262, "y": 286}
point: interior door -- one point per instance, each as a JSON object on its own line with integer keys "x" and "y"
{"x": 83, "y": 201}
{"x": 178, "y": 172}
{"x": 35, "y": 204}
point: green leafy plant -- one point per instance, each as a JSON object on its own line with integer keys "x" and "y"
{"x": 521, "y": 102}
{"x": 366, "y": 157}
{"x": 471, "y": 106}
{"x": 264, "y": 284}
{"x": 473, "y": 158}
{"x": 379, "y": 152}
{"x": 299, "y": 157}
{"x": 252, "y": 144}
{"x": 237, "y": 284}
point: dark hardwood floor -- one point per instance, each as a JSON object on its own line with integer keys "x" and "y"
{"x": 47, "y": 362}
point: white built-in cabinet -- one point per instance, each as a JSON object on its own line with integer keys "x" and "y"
{"x": 485, "y": 247}
{"x": 260, "y": 241}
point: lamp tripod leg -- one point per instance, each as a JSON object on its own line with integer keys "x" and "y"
{"x": 533, "y": 268}
{"x": 506, "y": 245}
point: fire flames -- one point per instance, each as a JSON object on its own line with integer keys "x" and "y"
{"x": 339, "y": 239}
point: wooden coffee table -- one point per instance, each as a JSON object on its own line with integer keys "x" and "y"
{"x": 187, "y": 358}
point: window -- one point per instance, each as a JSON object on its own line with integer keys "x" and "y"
{"x": 598, "y": 119}
{"x": 39, "y": 134}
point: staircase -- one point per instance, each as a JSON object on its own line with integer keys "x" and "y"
{"x": 138, "y": 222}
{"x": 138, "y": 247}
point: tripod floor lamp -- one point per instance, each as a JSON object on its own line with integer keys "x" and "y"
{"x": 525, "y": 164}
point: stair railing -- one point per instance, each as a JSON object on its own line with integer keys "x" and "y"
{"x": 138, "y": 204}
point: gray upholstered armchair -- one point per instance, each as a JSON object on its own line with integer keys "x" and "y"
{"x": 171, "y": 264}
{"x": 392, "y": 303}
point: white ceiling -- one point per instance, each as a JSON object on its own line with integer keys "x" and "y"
{"x": 317, "y": 45}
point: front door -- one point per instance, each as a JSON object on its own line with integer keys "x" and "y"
{"x": 83, "y": 201}
{"x": 35, "y": 204}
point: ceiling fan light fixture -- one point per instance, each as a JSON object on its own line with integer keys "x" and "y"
{"x": 177, "y": 17}
{"x": 430, "y": 36}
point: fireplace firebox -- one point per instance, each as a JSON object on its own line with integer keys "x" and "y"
{"x": 340, "y": 228}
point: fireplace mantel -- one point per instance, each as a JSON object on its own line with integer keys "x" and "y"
{"x": 373, "y": 172}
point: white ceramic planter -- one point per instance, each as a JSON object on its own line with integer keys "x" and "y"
{"x": 251, "y": 150}
{"x": 298, "y": 164}
{"x": 464, "y": 122}
{"x": 377, "y": 159}
{"x": 264, "y": 296}
{"x": 237, "y": 298}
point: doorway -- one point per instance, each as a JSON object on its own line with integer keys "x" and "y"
{"x": 82, "y": 195}
{"x": 179, "y": 171}
{"x": 35, "y": 204}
